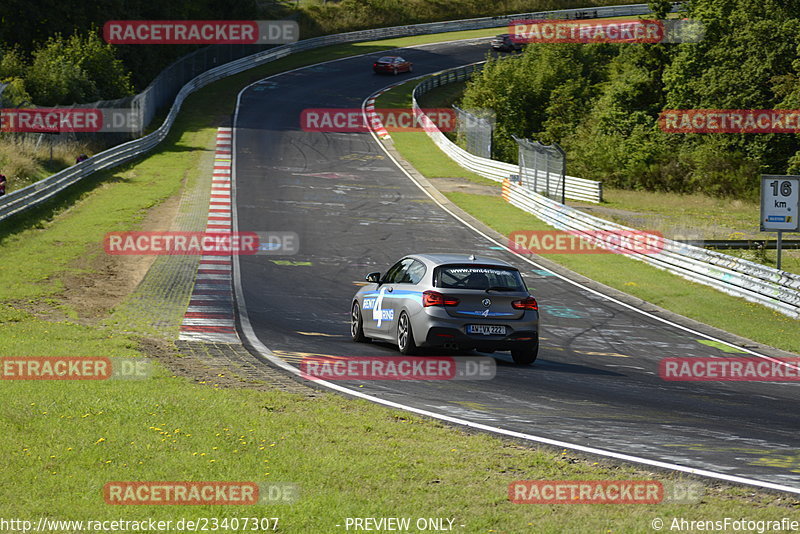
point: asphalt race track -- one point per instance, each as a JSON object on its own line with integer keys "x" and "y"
{"x": 596, "y": 380}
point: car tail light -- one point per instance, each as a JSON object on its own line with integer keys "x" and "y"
{"x": 525, "y": 304}
{"x": 434, "y": 298}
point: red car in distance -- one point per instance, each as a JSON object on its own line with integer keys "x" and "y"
{"x": 393, "y": 64}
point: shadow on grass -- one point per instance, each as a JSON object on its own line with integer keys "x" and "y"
{"x": 38, "y": 217}
{"x": 209, "y": 107}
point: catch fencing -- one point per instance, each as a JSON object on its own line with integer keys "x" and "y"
{"x": 542, "y": 168}
{"x": 474, "y": 132}
{"x": 167, "y": 88}
{"x": 778, "y": 290}
{"x": 758, "y": 283}
{"x": 575, "y": 188}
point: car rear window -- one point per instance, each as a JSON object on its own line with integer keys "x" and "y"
{"x": 386, "y": 59}
{"x": 478, "y": 277}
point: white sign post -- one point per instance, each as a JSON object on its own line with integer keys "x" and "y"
{"x": 780, "y": 206}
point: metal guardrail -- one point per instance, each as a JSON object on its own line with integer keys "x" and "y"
{"x": 775, "y": 289}
{"x": 743, "y": 244}
{"x": 575, "y": 188}
{"x": 33, "y": 195}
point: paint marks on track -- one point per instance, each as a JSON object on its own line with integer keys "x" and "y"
{"x": 724, "y": 347}
{"x": 562, "y": 311}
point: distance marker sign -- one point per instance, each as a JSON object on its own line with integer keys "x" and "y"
{"x": 780, "y": 203}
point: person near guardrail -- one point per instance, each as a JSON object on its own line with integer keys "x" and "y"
{"x": 3, "y": 182}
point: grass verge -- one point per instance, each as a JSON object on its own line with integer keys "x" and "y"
{"x": 26, "y": 159}
{"x": 417, "y": 147}
{"x": 64, "y": 440}
{"x": 669, "y": 291}
{"x": 694, "y": 216}
{"x": 335, "y": 449}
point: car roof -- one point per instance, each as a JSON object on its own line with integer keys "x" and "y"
{"x": 442, "y": 259}
{"x": 388, "y": 58}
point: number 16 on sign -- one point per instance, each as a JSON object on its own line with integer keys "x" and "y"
{"x": 780, "y": 203}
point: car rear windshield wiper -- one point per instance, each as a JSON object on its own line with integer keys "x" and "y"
{"x": 500, "y": 288}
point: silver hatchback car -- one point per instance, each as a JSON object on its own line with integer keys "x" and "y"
{"x": 454, "y": 301}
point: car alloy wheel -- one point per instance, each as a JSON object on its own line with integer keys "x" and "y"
{"x": 405, "y": 337}
{"x": 356, "y": 324}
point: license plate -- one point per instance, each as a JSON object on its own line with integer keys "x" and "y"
{"x": 486, "y": 329}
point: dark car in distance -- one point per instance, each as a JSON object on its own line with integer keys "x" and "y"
{"x": 506, "y": 43}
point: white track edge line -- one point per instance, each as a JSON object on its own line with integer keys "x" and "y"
{"x": 562, "y": 277}
{"x": 252, "y": 338}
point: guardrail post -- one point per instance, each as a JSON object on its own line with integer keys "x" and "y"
{"x": 563, "y": 171}
{"x": 169, "y": 84}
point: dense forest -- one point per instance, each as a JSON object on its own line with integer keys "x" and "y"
{"x": 52, "y": 52}
{"x": 601, "y": 102}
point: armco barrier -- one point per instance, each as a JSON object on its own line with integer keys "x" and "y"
{"x": 28, "y": 197}
{"x": 574, "y": 188}
{"x": 775, "y": 289}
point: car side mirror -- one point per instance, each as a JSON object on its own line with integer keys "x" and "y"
{"x": 375, "y": 277}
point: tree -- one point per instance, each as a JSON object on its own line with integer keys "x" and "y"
{"x": 76, "y": 69}
{"x": 543, "y": 94}
{"x": 660, "y": 8}
{"x": 12, "y": 63}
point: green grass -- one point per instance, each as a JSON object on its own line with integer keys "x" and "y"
{"x": 653, "y": 285}
{"x": 335, "y": 449}
{"x": 444, "y": 96}
{"x": 636, "y": 278}
{"x": 335, "y": 17}
{"x": 134, "y": 189}
{"x": 676, "y": 216}
{"x": 24, "y": 160}
{"x": 429, "y": 160}
{"x": 64, "y": 440}
{"x": 417, "y": 148}
{"x": 119, "y": 202}
{"x": 694, "y": 216}
{"x": 715, "y": 218}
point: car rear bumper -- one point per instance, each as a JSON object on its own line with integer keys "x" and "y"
{"x": 439, "y": 336}
{"x": 440, "y": 329}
